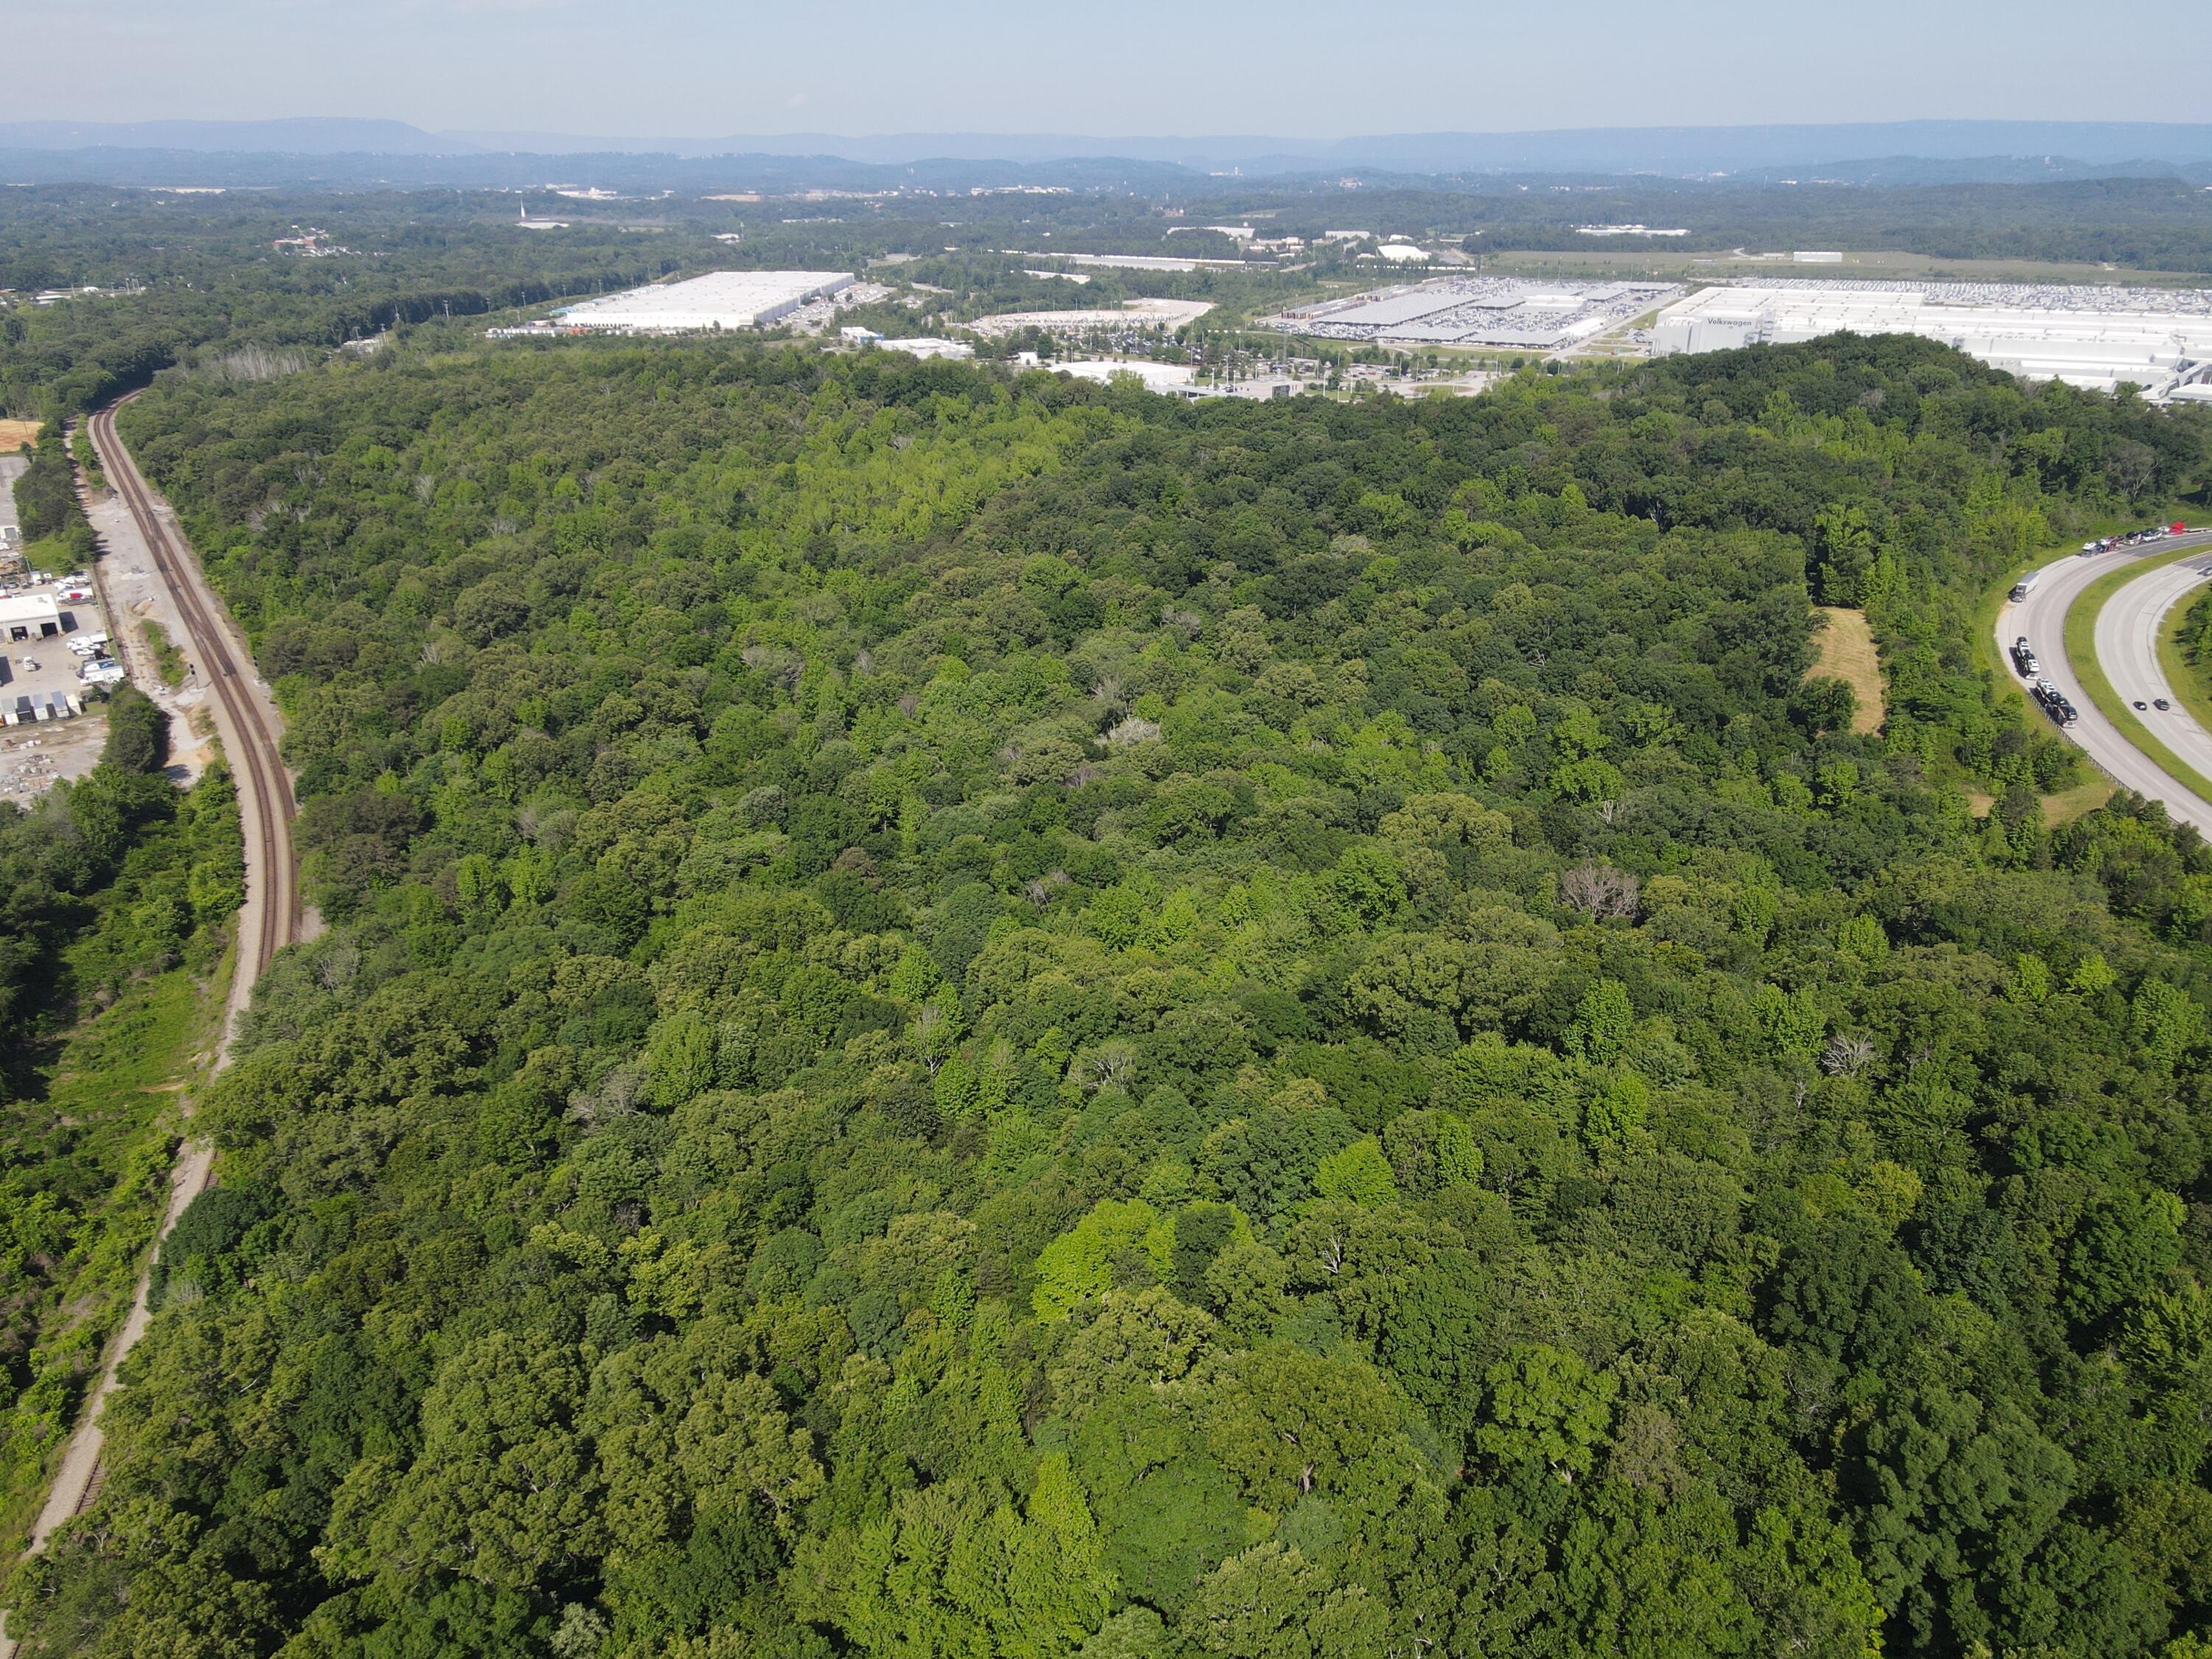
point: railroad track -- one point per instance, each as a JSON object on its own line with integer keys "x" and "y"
{"x": 269, "y": 920}
{"x": 266, "y": 789}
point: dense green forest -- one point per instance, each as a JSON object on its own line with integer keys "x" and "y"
{"x": 970, "y": 1015}
{"x": 204, "y": 282}
{"x": 115, "y": 891}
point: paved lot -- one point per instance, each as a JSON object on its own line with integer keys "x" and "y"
{"x": 34, "y": 754}
{"x": 11, "y": 468}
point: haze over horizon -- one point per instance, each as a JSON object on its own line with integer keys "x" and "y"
{"x": 686, "y": 69}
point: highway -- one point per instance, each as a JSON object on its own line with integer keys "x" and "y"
{"x": 2042, "y": 617}
{"x": 2127, "y": 645}
{"x": 250, "y": 730}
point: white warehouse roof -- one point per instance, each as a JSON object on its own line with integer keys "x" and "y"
{"x": 30, "y": 610}
{"x": 721, "y": 299}
{"x": 2093, "y": 337}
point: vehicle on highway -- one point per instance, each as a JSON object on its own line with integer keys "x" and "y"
{"x": 2026, "y": 586}
{"x": 2139, "y": 703}
{"x": 2023, "y": 657}
{"x": 2161, "y": 705}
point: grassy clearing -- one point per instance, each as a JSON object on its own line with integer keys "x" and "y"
{"x": 17, "y": 435}
{"x": 1848, "y": 653}
{"x": 2062, "y": 808}
{"x": 2081, "y": 652}
{"x": 94, "y": 1151}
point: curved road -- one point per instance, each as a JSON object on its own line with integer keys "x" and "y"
{"x": 251, "y": 729}
{"x": 2127, "y": 645}
{"x": 2042, "y": 617}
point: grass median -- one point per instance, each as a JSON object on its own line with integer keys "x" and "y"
{"x": 2187, "y": 679}
{"x": 2081, "y": 656}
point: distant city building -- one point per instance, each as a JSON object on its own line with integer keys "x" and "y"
{"x": 1816, "y": 257}
{"x": 1627, "y": 230}
{"x": 309, "y": 244}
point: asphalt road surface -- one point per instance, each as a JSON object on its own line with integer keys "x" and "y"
{"x": 2042, "y": 617}
{"x": 2127, "y": 645}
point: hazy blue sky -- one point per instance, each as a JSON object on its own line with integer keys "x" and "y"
{"x": 694, "y": 68}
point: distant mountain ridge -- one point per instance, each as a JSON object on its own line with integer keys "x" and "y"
{"x": 305, "y": 135}
{"x": 1587, "y": 150}
{"x": 1673, "y": 151}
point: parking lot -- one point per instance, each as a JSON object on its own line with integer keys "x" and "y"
{"x": 53, "y": 725}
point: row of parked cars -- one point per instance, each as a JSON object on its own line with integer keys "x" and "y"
{"x": 2157, "y": 532}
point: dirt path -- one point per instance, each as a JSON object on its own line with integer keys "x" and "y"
{"x": 146, "y": 536}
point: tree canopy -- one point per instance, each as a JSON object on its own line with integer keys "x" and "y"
{"x": 969, "y": 1014}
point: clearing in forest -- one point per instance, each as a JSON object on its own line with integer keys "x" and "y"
{"x": 1847, "y": 653}
{"x": 17, "y": 435}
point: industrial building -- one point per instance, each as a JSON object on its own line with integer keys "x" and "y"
{"x": 720, "y": 299}
{"x": 30, "y": 617}
{"x": 1479, "y": 311}
{"x": 1171, "y": 379}
{"x": 2098, "y": 337}
{"x": 1130, "y": 314}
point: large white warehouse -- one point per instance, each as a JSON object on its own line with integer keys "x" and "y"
{"x": 720, "y": 299}
{"x": 2093, "y": 336}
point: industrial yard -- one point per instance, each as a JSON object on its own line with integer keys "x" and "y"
{"x": 2098, "y": 337}
{"x": 1479, "y": 311}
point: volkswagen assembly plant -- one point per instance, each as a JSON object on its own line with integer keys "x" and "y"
{"x": 720, "y": 299}
{"x": 1480, "y": 311}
